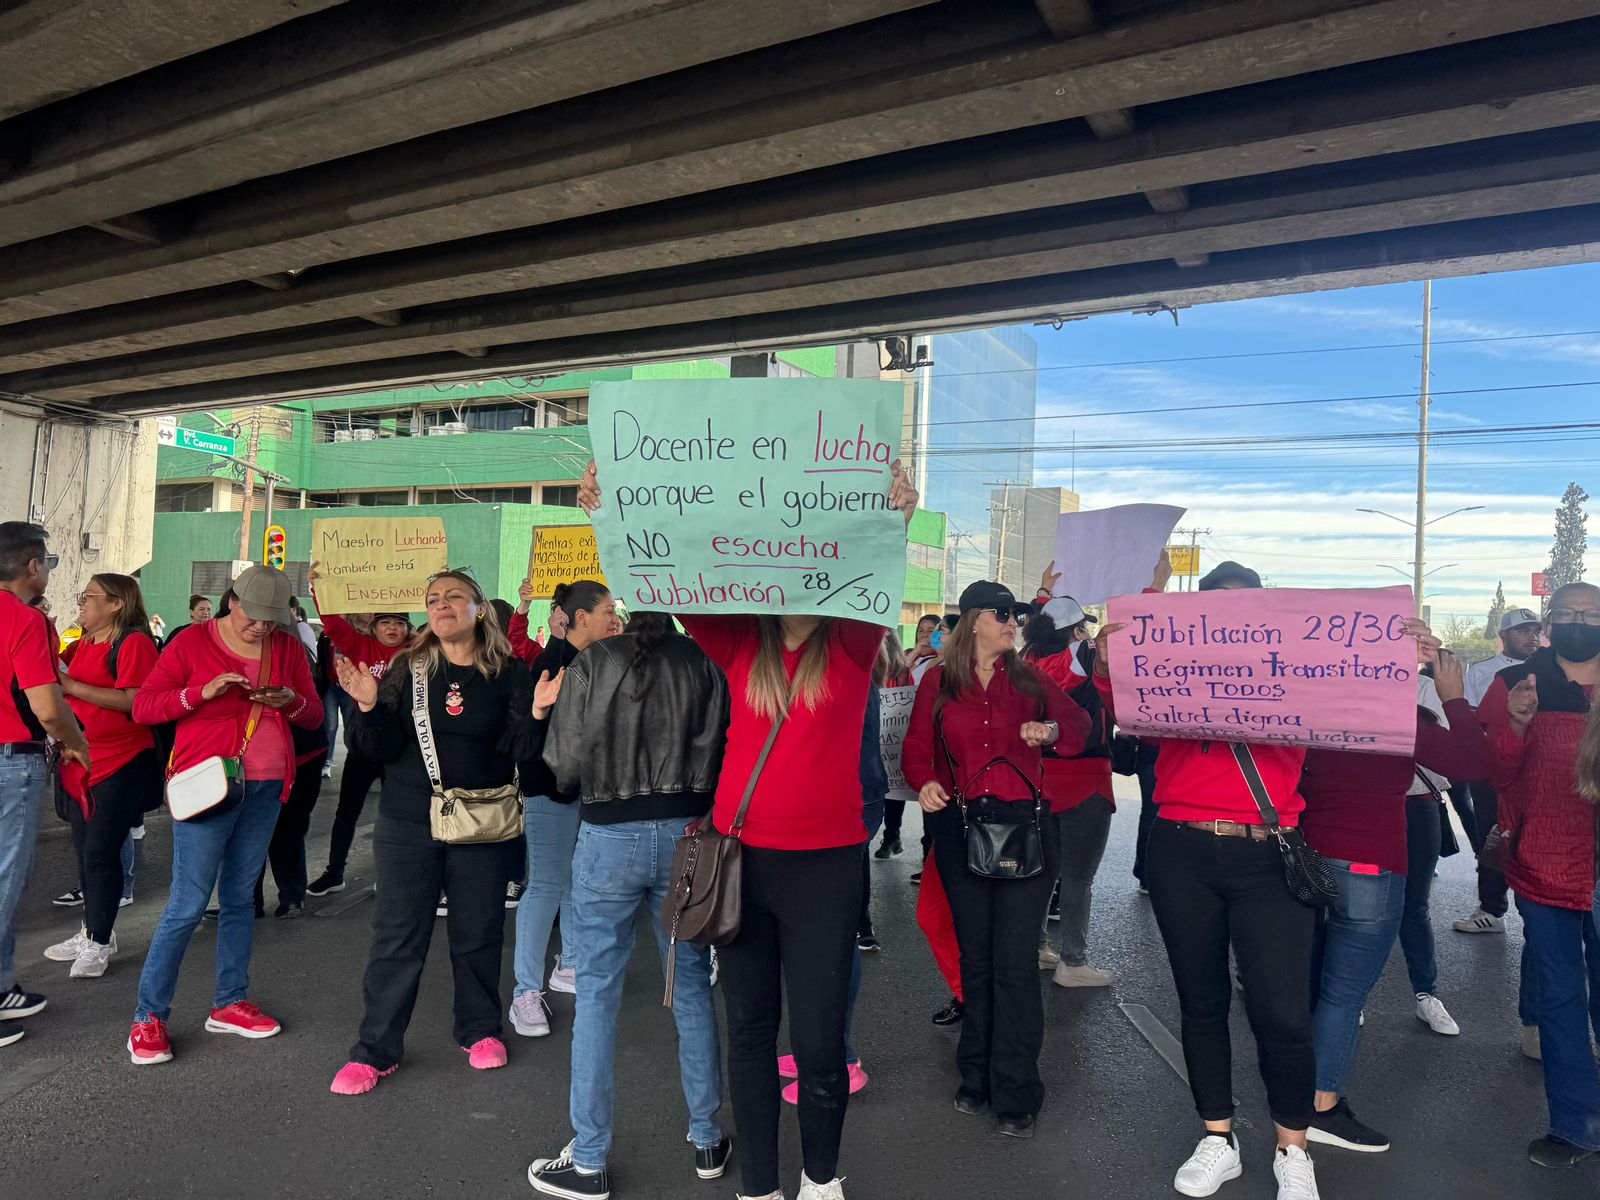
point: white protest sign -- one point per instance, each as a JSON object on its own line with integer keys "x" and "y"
{"x": 1109, "y": 552}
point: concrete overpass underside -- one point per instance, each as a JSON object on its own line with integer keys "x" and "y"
{"x": 205, "y": 201}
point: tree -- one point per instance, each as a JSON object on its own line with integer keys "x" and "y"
{"x": 1496, "y": 611}
{"x": 1463, "y": 637}
{"x": 1566, "y": 553}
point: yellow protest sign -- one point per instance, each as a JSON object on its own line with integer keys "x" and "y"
{"x": 560, "y": 554}
{"x": 376, "y": 564}
{"x": 1185, "y": 560}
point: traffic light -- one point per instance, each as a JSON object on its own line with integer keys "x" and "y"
{"x": 274, "y": 551}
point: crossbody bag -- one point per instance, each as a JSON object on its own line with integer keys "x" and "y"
{"x": 460, "y": 816}
{"x": 1005, "y": 839}
{"x": 1306, "y": 872}
{"x": 1448, "y": 844}
{"x": 215, "y": 785}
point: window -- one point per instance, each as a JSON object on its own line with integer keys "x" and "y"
{"x": 184, "y": 497}
{"x": 362, "y": 424}
{"x": 481, "y": 495}
{"x": 210, "y": 578}
{"x": 564, "y": 410}
{"x": 481, "y": 418}
{"x": 564, "y": 496}
{"x": 357, "y": 499}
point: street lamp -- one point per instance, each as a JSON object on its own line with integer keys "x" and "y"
{"x": 1425, "y": 574}
{"x": 1412, "y": 524}
{"x": 1418, "y": 531}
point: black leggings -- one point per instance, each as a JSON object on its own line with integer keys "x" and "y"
{"x": 797, "y": 929}
{"x": 1207, "y": 890}
{"x": 287, "y": 850}
{"x": 120, "y": 801}
{"x": 360, "y": 773}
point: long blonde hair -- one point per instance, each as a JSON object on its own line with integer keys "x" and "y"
{"x": 768, "y": 689}
{"x": 956, "y": 670}
{"x": 891, "y": 664}
{"x": 1586, "y": 773}
{"x": 490, "y": 649}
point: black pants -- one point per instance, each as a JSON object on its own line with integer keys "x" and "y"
{"x": 360, "y": 773}
{"x": 797, "y": 930}
{"x": 1145, "y": 768}
{"x": 997, "y": 930}
{"x": 894, "y": 815}
{"x": 864, "y": 920}
{"x": 1207, "y": 891}
{"x": 1491, "y": 883}
{"x": 412, "y": 870}
{"x": 287, "y": 851}
{"x": 120, "y": 801}
{"x": 1461, "y": 797}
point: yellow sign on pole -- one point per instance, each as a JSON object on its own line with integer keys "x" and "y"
{"x": 1185, "y": 560}
{"x": 376, "y": 564}
{"x": 560, "y": 554}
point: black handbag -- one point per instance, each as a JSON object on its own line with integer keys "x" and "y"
{"x": 1125, "y": 754}
{"x": 1308, "y": 875}
{"x": 1448, "y": 844}
{"x": 1005, "y": 838}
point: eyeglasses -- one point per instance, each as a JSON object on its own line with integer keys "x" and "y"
{"x": 1007, "y": 612}
{"x": 1571, "y": 616}
{"x": 52, "y": 561}
{"x": 83, "y": 596}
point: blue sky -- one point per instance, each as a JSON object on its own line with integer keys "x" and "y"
{"x": 1290, "y": 511}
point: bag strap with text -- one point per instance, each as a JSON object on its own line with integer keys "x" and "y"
{"x": 424, "y": 723}
{"x": 1252, "y": 778}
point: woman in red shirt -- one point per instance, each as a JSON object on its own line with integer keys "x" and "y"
{"x": 210, "y": 681}
{"x": 802, "y": 843}
{"x": 104, "y": 669}
{"x": 983, "y": 703}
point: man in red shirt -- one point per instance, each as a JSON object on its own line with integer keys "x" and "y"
{"x": 31, "y": 707}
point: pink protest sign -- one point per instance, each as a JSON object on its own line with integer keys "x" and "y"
{"x": 1286, "y": 666}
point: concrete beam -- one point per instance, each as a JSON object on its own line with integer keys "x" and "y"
{"x": 1054, "y": 243}
{"x": 51, "y": 49}
{"x": 323, "y": 215}
{"x": 318, "y": 99}
{"x": 1260, "y": 134}
{"x": 1462, "y": 248}
{"x": 1068, "y": 18}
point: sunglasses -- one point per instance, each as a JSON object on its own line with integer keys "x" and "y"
{"x": 52, "y": 561}
{"x": 1007, "y": 612}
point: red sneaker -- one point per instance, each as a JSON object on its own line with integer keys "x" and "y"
{"x": 148, "y": 1044}
{"x": 244, "y": 1018}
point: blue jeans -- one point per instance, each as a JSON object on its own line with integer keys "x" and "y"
{"x": 615, "y": 869}
{"x": 335, "y": 701}
{"x": 551, "y": 830}
{"x": 1416, "y": 926}
{"x": 1353, "y": 943}
{"x": 1564, "y": 959}
{"x": 225, "y": 853}
{"x": 22, "y": 783}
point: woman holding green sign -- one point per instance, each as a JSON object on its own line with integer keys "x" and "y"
{"x": 798, "y": 689}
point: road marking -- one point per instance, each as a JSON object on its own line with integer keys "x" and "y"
{"x": 26, "y": 1076}
{"x": 1161, "y": 1040}
{"x": 355, "y": 898}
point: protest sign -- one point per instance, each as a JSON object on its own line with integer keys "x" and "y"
{"x": 1328, "y": 667}
{"x": 375, "y": 564}
{"x": 1111, "y": 551}
{"x": 894, "y": 718}
{"x": 750, "y": 496}
{"x": 560, "y": 554}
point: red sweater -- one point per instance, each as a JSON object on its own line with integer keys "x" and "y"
{"x": 524, "y": 647}
{"x": 1200, "y": 781}
{"x": 809, "y": 793}
{"x": 215, "y": 727}
{"x": 1070, "y": 779}
{"x": 1356, "y": 803}
{"x": 981, "y": 724}
{"x": 1552, "y": 828}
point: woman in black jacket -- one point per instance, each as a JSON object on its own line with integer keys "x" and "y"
{"x": 639, "y": 734}
{"x": 484, "y": 716}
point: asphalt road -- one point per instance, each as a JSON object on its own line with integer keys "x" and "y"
{"x": 248, "y": 1120}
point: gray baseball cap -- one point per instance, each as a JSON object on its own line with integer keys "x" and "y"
{"x": 1518, "y": 616}
{"x": 263, "y": 592}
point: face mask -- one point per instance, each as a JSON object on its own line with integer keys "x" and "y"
{"x": 937, "y": 639}
{"x": 1575, "y": 642}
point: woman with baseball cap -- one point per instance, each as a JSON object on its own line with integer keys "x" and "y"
{"x": 235, "y": 686}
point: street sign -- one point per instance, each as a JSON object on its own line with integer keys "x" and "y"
{"x": 1185, "y": 560}
{"x": 193, "y": 439}
{"x": 1540, "y": 587}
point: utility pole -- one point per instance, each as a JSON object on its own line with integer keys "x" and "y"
{"x": 1186, "y": 580}
{"x": 1005, "y": 520}
{"x": 1422, "y": 445}
{"x": 248, "y": 507}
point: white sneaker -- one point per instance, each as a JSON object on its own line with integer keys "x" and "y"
{"x": 93, "y": 959}
{"x": 1530, "y": 1043}
{"x": 124, "y": 902}
{"x": 67, "y": 951}
{"x": 820, "y": 1191}
{"x": 1432, "y": 1012}
{"x": 1084, "y": 976}
{"x": 716, "y": 967}
{"x": 1479, "y": 922}
{"x": 1297, "y": 1178}
{"x": 529, "y": 1017}
{"x": 564, "y": 979}
{"x": 138, "y": 832}
{"x": 1214, "y": 1161}
{"x": 1049, "y": 958}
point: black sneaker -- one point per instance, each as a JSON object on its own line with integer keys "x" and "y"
{"x": 325, "y": 884}
{"x": 1556, "y": 1152}
{"x": 971, "y": 1105}
{"x": 442, "y": 909}
{"x": 10, "y": 1033}
{"x": 950, "y": 1014}
{"x": 514, "y": 892}
{"x": 286, "y": 910}
{"x": 1017, "y": 1125}
{"x": 916, "y": 877}
{"x": 72, "y": 899}
{"x": 16, "y": 1004}
{"x": 1339, "y": 1127}
{"x": 561, "y": 1177}
{"x": 888, "y": 848}
{"x": 868, "y": 943}
{"x": 711, "y": 1161}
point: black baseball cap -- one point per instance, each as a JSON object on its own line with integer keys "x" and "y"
{"x": 1229, "y": 572}
{"x": 391, "y": 616}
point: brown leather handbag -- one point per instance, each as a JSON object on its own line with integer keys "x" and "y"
{"x": 704, "y": 904}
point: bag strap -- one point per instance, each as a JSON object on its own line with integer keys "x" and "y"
{"x": 950, "y": 762}
{"x": 1433, "y": 788}
{"x": 1258, "y": 789}
{"x": 755, "y": 771}
{"x": 421, "y": 718}
{"x": 263, "y": 677}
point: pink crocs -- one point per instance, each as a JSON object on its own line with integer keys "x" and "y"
{"x": 355, "y": 1078}
{"x": 487, "y": 1054}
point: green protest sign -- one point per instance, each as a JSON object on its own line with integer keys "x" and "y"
{"x": 750, "y": 495}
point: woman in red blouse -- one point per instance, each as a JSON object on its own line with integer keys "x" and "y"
{"x": 104, "y": 669}
{"x": 802, "y": 844}
{"x": 982, "y": 703}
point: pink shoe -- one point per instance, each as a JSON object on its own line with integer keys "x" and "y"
{"x": 858, "y": 1080}
{"x": 787, "y": 1068}
{"x": 355, "y": 1078}
{"x": 487, "y": 1054}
